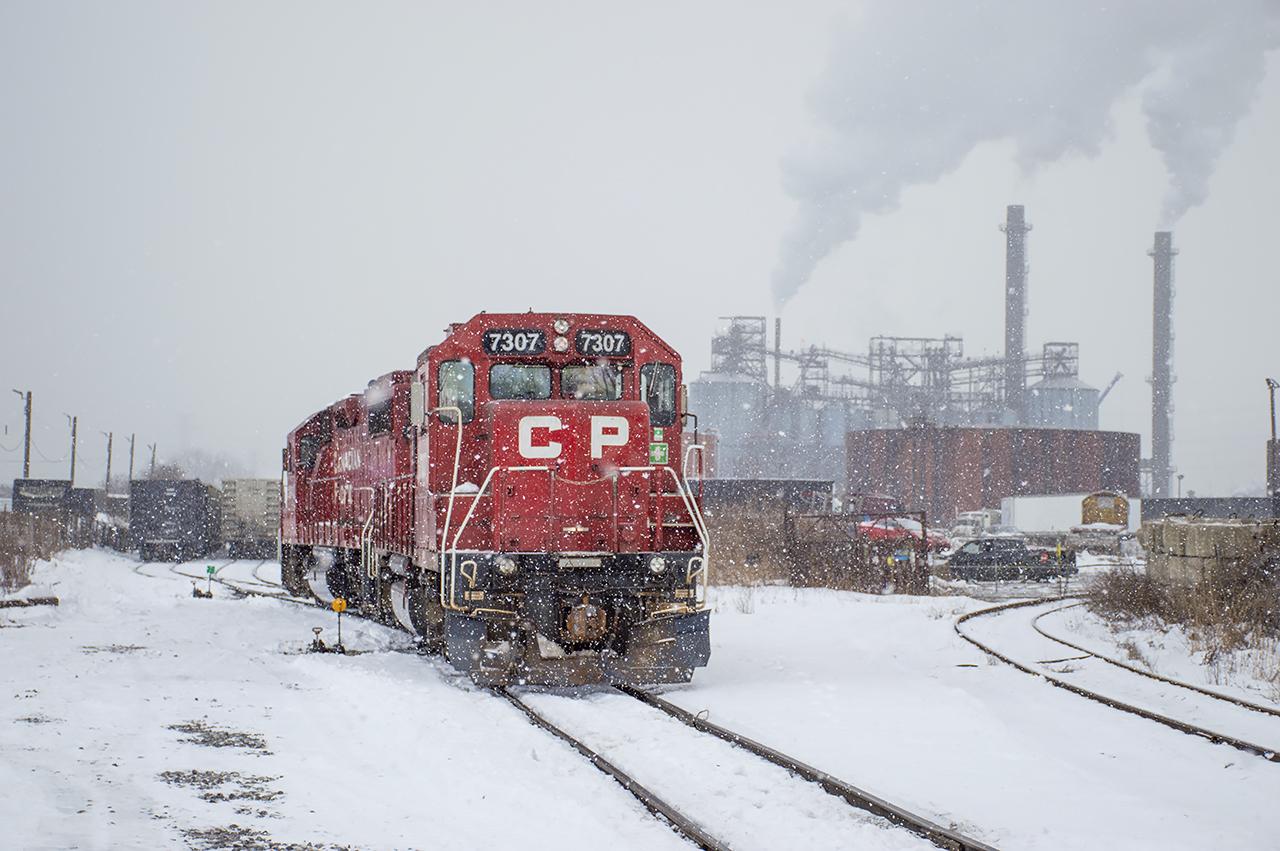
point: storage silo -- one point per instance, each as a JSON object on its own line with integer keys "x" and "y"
{"x": 1062, "y": 402}
{"x": 733, "y": 406}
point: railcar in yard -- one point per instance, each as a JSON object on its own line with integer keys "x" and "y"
{"x": 519, "y": 499}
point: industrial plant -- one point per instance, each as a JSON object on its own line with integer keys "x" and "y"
{"x": 913, "y": 417}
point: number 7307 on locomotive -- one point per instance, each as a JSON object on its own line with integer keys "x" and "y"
{"x": 520, "y": 500}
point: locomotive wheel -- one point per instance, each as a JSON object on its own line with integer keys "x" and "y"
{"x": 341, "y": 583}
{"x": 425, "y": 612}
{"x": 294, "y": 562}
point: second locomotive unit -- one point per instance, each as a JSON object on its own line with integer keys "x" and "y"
{"x": 519, "y": 499}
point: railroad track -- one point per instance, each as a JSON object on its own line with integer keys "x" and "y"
{"x": 1219, "y": 718}
{"x": 774, "y": 770}
{"x": 761, "y": 796}
{"x": 255, "y": 584}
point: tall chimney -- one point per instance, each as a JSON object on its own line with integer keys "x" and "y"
{"x": 1162, "y": 365}
{"x": 1015, "y": 311}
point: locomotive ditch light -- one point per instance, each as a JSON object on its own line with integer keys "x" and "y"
{"x": 657, "y": 565}
{"x": 506, "y": 565}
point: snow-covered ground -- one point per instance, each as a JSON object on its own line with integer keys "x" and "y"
{"x": 136, "y": 716}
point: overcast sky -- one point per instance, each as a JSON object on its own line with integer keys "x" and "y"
{"x": 218, "y": 217}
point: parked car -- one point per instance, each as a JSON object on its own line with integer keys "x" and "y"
{"x": 1003, "y": 532}
{"x": 1006, "y": 558}
{"x": 903, "y": 529}
{"x": 936, "y": 541}
{"x": 885, "y": 529}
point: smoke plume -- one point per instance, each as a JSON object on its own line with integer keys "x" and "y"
{"x": 914, "y": 87}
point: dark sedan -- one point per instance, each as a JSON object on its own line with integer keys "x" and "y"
{"x": 1007, "y": 559}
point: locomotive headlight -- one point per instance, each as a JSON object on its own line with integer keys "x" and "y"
{"x": 657, "y": 565}
{"x": 561, "y": 326}
{"x": 560, "y": 344}
{"x": 506, "y": 565}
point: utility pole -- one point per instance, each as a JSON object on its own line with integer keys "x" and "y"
{"x": 26, "y": 452}
{"x": 1273, "y": 450}
{"x": 131, "y": 437}
{"x": 1272, "y": 384}
{"x": 153, "y": 460}
{"x": 109, "y": 436}
{"x": 72, "y": 420}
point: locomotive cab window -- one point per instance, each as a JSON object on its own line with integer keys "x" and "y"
{"x": 308, "y": 449}
{"x": 595, "y": 382}
{"x": 379, "y": 402}
{"x": 457, "y": 389}
{"x": 658, "y": 389}
{"x": 519, "y": 381}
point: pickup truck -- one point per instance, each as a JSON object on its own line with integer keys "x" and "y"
{"x": 1008, "y": 558}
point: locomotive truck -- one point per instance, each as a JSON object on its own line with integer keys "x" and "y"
{"x": 519, "y": 500}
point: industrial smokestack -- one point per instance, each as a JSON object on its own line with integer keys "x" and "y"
{"x": 1015, "y": 311}
{"x": 1162, "y": 365}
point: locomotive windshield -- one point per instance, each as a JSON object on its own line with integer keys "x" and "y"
{"x": 599, "y": 382}
{"x": 519, "y": 381}
{"x": 658, "y": 389}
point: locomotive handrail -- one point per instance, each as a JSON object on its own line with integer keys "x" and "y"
{"x": 366, "y": 536}
{"x": 695, "y": 514}
{"x": 699, "y": 524}
{"x": 700, "y": 449}
{"x": 453, "y": 550}
{"x": 457, "y": 457}
{"x": 448, "y": 590}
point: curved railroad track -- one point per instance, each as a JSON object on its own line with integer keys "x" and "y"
{"x": 786, "y": 779}
{"x": 1236, "y": 723}
{"x": 1035, "y": 623}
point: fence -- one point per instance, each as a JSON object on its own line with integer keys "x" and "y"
{"x": 24, "y": 538}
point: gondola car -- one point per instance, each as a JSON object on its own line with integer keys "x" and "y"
{"x": 519, "y": 500}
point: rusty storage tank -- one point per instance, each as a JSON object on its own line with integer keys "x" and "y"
{"x": 948, "y": 470}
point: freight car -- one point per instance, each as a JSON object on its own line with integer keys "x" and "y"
{"x": 518, "y": 500}
{"x": 251, "y": 517}
{"x": 176, "y": 519}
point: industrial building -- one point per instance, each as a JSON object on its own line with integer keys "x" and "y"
{"x": 913, "y": 417}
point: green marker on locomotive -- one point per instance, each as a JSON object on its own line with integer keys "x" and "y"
{"x": 520, "y": 499}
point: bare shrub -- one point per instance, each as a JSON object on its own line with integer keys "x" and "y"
{"x": 1234, "y": 620}
{"x": 1126, "y": 594}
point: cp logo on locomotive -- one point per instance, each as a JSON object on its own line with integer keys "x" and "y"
{"x": 605, "y": 431}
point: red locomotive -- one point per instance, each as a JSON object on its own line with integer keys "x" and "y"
{"x": 519, "y": 500}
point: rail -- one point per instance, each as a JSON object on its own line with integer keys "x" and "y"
{"x": 1244, "y": 704}
{"x": 940, "y": 836}
{"x": 683, "y": 825}
{"x": 1270, "y": 754}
